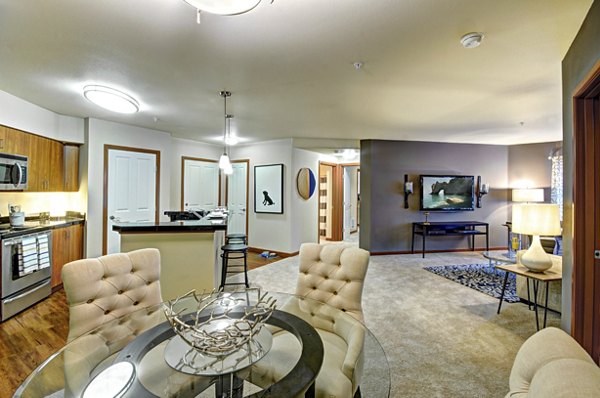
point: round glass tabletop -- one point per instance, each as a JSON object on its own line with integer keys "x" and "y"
{"x": 142, "y": 338}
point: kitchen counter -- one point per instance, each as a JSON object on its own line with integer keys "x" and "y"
{"x": 31, "y": 226}
{"x": 189, "y": 251}
{"x": 203, "y": 225}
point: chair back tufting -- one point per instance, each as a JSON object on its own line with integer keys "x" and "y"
{"x": 102, "y": 289}
{"x": 333, "y": 274}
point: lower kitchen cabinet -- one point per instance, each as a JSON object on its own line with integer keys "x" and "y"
{"x": 67, "y": 246}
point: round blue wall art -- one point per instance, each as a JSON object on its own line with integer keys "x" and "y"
{"x": 306, "y": 183}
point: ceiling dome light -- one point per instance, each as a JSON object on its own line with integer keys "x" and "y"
{"x": 111, "y": 99}
{"x": 224, "y": 7}
{"x": 471, "y": 40}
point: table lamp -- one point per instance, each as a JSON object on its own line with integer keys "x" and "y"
{"x": 528, "y": 195}
{"x": 536, "y": 219}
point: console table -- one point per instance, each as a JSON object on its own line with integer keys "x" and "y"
{"x": 450, "y": 228}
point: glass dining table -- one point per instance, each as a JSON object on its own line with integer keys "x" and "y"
{"x": 141, "y": 355}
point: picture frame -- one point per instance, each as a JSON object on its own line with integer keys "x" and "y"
{"x": 268, "y": 188}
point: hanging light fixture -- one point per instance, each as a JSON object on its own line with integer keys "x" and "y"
{"x": 224, "y": 162}
{"x": 223, "y": 7}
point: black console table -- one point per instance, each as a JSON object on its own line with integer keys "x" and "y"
{"x": 451, "y": 228}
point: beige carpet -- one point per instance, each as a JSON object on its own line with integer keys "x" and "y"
{"x": 442, "y": 339}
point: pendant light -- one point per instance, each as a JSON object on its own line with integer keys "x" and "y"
{"x": 224, "y": 162}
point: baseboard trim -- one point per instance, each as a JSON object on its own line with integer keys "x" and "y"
{"x": 280, "y": 254}
{"x": 477, "y": 249}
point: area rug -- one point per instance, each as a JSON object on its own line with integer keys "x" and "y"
{"x": 481, "y": 277}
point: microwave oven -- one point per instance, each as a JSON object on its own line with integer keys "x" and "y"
{"x": 13, "y": 172}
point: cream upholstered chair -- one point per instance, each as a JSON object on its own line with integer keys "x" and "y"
{"x": 99, "y": 291}
{"x": 552, "y": 364}
{"x": 332, "y": 274}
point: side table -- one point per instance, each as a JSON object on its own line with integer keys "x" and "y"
{"x": 553, "y": 274}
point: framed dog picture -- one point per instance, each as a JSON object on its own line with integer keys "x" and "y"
{"x": 268, "y": 189}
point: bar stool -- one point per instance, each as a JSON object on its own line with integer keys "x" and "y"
{"x": 236, "y": 238}
{"x": 234, "y": 250}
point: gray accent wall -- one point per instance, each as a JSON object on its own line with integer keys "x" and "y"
{"x": 386, "y": 225}
{"x": 579, "y": 61}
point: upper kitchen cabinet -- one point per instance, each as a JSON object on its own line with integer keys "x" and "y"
{"x": 71, "y": 167}
{"x": 53, "y": 166}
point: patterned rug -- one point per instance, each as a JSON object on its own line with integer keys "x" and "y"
{"x": 481, "y": 277}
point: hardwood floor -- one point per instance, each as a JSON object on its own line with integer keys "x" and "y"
{"x": 30, "y": 337}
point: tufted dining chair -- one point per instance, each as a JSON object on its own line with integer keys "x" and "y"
{"x": 334, "y": 275}
{"x": 99, "y": 291}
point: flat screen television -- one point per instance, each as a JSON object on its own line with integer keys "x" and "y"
{"x": 447, "y": 193}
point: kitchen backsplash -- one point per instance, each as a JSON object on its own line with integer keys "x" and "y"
{"x": 57, "y": 203}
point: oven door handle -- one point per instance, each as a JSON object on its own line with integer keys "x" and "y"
{"x": 20, "y": 296}
{"x": 16, "y": 174}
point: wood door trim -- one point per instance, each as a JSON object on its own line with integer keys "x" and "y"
{"x": 247, "y": 161}
{"x": 107, "y": 148}
{"x": 183, "y": 159}
{"x": 585, "y": 324}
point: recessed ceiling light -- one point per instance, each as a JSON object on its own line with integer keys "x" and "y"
{"x": 111, "y": 99}
{"x": 471, "y": 40}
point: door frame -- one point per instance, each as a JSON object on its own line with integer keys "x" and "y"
{"x": 357, "y": 165}
{"x": 585, "y": 324}
{"x": 337, "y": 198}
{"x": 183, "y": 159}
{"x": 107, "y": 148}
{"x": 247, "y": 161}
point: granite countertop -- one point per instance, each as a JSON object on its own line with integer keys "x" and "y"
{"x": 34, "y": 225}
{"x": 202, "y": 225}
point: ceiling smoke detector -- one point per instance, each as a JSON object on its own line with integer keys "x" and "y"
{"x": 471, "y": 40}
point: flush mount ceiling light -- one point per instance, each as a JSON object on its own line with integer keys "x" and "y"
{"x": 471, "y": 40}
{"x": 223, "y": 7}
{"x": 111, "y": 99}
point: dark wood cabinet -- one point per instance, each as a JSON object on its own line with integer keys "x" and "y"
{"x": 53, "y": 166}
{"x": 71, "y": 167}
{"x": 67, "y": 246}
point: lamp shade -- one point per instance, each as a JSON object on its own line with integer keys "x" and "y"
{"x": 536, "y": 219}
{"x": 528, "y": 195}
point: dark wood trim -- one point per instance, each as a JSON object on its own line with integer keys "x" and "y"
{"x": 107, "y": 148}
{"x": 183, "y": 159}
{"x": 280, "y": 254}
{"x": 585, "y": 319}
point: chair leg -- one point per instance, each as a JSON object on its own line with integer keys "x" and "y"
{"x": 223, "y": 270}
{"x": 246, "y": 269}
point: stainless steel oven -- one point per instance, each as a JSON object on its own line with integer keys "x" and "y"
{"x": 26, "y": 270}
{"x": 13, "y": 172}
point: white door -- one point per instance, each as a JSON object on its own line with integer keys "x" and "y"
{"x": 347, "y": 204}
{"x": 200, "y": 185}
{"x": 131, "y": 191}
{"x": 237, "y": 198}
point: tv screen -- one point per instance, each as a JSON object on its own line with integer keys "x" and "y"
{"x": 447, "y": 193}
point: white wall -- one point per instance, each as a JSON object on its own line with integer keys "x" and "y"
{"x": 23, "y": 115}
{"x": 100, "y": 132}
{"x": 182, "y": 147}
{"x": 269, "y": 231}
{"x": 305, "y": 213}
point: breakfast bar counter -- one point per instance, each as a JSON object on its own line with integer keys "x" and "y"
{"x": 189, "y": 250}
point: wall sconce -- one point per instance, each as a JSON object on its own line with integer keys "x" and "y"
{"x": 481, "y": 189}
{"x": 408, "y": 190}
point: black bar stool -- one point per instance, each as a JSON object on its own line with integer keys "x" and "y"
{"x": 236, "y": 238}
{"x": 234, "y": 250}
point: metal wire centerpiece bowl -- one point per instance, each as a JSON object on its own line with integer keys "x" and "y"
{"x": 222, "y": 323}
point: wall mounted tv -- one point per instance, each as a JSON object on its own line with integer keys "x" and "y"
{"x": 447, "y": 193}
